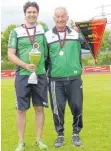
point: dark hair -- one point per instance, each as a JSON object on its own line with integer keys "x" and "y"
{"x": 30, "y": 4}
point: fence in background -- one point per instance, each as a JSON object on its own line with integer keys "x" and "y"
{"x": 86, "y": 69}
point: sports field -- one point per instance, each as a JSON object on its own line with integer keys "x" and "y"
{"x": 96, "y": 134}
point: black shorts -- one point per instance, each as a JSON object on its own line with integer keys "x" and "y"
{"x": 25, "y": 91}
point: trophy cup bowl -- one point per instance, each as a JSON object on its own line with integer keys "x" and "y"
{"x": 34, "y": 58}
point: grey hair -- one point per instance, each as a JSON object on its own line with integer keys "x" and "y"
{"x": 61, "y": 7}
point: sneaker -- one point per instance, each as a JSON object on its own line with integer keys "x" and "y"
{"x": 41, "y": 145}
{"x": 76, "y": 140}
{"x": 21, "y": 146}
{"x": 59, "y": 142}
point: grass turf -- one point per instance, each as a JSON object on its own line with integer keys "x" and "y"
{"x": 96, "y": 134}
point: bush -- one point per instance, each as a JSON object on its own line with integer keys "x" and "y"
{"x": 87, "y": 61}
{"x": 103, "y": 58}
{"x": 7, "y": 65}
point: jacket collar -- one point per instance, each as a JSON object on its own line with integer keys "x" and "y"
{"x": 54, "y": 30}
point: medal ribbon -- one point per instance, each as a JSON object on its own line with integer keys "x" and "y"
{"x": 31, "y": 39}
{"x": 62, "y": 42}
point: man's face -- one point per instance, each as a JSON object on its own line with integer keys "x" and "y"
{"x": 31, "y": 15}
{"x": 60, "y": 18}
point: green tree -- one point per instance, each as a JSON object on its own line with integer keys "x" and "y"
{"x": 109, "y": 39}
{"x": 106, "y": 43}
{"x": 44, "y": 25}
{"x": 4, "y": 41}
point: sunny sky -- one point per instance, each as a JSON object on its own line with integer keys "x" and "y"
{"x": 12, "y": 10}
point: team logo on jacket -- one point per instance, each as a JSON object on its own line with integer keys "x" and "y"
{"x": 61, "y": 53}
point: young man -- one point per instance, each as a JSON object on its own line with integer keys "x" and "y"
{"x": 22, "y": 40}
{"x": 65, "y": 75}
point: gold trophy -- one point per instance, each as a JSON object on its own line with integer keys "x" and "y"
{"x": 34, "y": 58}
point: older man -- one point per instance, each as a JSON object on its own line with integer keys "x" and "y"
{"x": 65, "y": 71}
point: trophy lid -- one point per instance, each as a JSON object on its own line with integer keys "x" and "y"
{"x": 35, "y": 49}
{"x": 36, "y": 46}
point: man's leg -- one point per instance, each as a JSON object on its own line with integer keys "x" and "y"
{"x": 58, "y": 103}
{"x": 22, "y": 104}
{"x": 21, "y": 123}
{"x": 75, "y": 101}
{"x": 39, "y": 121}
{"x": 39, "y": 100}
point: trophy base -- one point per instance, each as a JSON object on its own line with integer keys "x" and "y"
{"x": 33, "y": 79}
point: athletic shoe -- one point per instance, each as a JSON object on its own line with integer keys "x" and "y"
{"x": 59, "y": 142}
{"x": 76, "y": 140}
{"x": 41, "y": 145}
{"x": 21, "y": 146}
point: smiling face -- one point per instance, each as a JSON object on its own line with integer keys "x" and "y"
{"x": 31, "y": 15}
{"x": 60, "y": 18}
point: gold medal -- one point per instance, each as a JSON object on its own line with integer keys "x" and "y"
{"x": 61, "y": 53}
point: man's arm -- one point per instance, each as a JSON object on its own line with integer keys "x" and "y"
{"x": 13, "y": 58}
{"x": 12, "y": 46}
{"x": 46, "y": 54}
{"x": 81, "y": 38}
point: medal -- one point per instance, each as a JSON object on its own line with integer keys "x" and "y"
{"x": 62, "y": 42}
{"x": 31, "y": 38}
{"x": 35, "y": 46}
{"x": 61, "y": 53}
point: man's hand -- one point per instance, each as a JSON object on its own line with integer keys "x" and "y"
{"x": 31, "y": 67}
{"x": 76, "y": 28}
{"x": 12, "y": 57}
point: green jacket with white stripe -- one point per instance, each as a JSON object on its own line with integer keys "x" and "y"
{"x": 19, "y": 40}
{"x": 66, "y": 61}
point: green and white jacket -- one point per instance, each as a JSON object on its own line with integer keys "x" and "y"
{"x": 64, "y": 62}
{"x": 19, "y": 40}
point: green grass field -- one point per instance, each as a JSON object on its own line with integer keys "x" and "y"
{"x": 96, "y": 134}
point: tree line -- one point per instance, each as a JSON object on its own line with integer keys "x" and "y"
{"x": 104, "y": 47}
